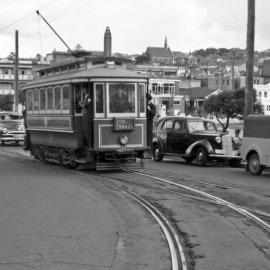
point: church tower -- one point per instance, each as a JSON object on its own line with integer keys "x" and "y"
{"x": 165, "y": 43}
{"x": 107, "y": 42}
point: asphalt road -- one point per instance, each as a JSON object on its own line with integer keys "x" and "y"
{"x": 51, "y": 218}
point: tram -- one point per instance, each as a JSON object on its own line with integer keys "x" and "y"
{"x": 91, "y": 111}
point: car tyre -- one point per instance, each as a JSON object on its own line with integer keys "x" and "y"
{"x": 201, "y": 156}
{"x": 254, "y": 165}
{"x": 157, "y": 153}
{"x": 2, "y": 143}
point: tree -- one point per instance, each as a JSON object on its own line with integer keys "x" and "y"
{"x": 6, "y": 102}
{"x": 229, "y": 104}
{"x": 142, "y": 59}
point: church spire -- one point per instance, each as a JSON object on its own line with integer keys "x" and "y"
{"x": 165, "y": 43}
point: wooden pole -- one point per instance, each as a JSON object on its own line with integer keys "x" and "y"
{"x": 16, "y": 70}
{"x": 249, "y": 103}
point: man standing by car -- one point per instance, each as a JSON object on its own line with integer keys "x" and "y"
{"x": 151, "y": 112}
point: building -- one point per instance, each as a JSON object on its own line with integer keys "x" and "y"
{"x": 263, "y": 95}
{"x": 160, "y": 55}
{"x": 7, "y": 78}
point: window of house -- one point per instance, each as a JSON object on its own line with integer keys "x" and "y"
{"x": 49, "y": 98}
{"x": 57, "y": 98}
{"x": 265, "y": 95}
{"x": 260, "y": 94}
{"x": 42, "y": 98}
{"x": 66, "y": 98}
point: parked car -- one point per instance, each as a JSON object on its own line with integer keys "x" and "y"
{"x": 11, "y": 127}
{"x": 188, "y": 137}
{"x": 255, "y": 148}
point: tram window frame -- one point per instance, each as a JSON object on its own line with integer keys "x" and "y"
{"x": 42, "y": 109}
{"x": 36, "y": 101}
{"x": 142, "y": 98}
{"x": 57, "y": 104}
{"x": 51, "y": 109}
{"x": 121, "y": 114}
{"x": 64, "y": 109}
{"x": 29, "y": 96}
{"x": 77, "y": 88}
{"x": 99, "y": 114}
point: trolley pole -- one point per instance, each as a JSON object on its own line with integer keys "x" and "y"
{"x": 16, "y": 70}
{"x": 249, "y": 103}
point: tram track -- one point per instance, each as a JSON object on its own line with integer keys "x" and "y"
{"x": 247, "y": 212}
{"x": 177, "y": 253}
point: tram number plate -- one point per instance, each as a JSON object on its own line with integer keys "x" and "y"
{"x": 124, "y": 124}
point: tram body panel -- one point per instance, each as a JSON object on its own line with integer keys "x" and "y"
{"x": 106, "y": 137}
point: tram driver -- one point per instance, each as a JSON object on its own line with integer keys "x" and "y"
{"x": 119, "y": 102}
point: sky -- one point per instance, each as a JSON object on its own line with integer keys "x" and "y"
{"x": 135, "y": 25}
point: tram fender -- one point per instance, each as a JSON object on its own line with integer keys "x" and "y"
{"x": 202, "y": 143}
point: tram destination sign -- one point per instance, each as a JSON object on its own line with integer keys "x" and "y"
{"x": 124, "y": 124}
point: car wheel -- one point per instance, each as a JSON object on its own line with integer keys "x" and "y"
{"x": 2, "y": 142}
{"x": 157, "y": 155}
{"x": 201, "y": 156}
{"x": 254, "y": 165}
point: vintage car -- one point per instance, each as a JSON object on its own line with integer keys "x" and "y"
{"x": 188, "y": 137}
{"x": 255, "y": 148}
{"x": 11, "y": 127}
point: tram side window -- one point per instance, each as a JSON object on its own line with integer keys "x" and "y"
{"x": 49, "y": 98}
{"x": 142, "y": 97}
{"x": 29, "y": 101}
{"x": 36, "y": 101}
{"x": 66, "y": 98}
{"x": 122, "y": 98}
{"x": 42, "y": 99}
{"x": 99, "y": 98}
{"x": 78, "y": 98}
{"x": 57, "y": 98}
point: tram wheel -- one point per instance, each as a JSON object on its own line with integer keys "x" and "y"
{"x": 157, "y": 153}
{"x": 254, "y": 165}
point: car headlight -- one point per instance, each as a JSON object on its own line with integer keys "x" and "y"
{"x": 4, "y": 130}
{"x": 235, "y": 140}
{"x": 123, "y": 139}
{"x": 218, "y": 139}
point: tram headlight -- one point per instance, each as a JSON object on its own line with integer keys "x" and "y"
{"x": 123, "y": 139}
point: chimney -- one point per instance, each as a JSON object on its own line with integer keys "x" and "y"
{"x": 107, "y": 42}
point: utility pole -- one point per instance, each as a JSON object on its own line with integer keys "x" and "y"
{"x": 249, "y": 103}
{"x": 233, "y": 55}
{"x": 16, "y": 70}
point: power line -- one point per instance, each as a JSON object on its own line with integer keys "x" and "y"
{"x": 28, "y": 14}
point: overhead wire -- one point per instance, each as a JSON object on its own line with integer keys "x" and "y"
{"x": 28, "y": 14}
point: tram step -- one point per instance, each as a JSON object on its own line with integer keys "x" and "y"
{"x": 118, "y": 166}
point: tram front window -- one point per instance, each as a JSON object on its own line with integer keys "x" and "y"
{"x": 122, "y": 98}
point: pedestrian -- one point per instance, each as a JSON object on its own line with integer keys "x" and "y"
{"x": 150, "y": 114}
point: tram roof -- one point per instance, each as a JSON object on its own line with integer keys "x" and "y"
{"x": 91, "y": 74}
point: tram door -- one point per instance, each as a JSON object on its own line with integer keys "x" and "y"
{"x": 84, "y": 108}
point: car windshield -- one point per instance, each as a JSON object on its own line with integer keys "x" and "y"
{"x": 195, "y": 126}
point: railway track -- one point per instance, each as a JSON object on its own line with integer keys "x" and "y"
{"x": 178, "y": 259}
{"x": 247, "y": 212}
